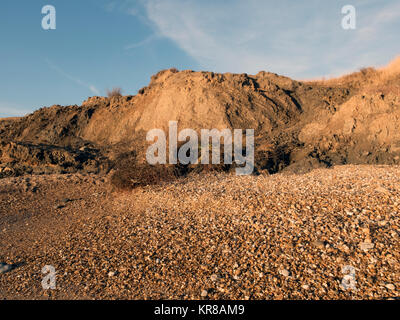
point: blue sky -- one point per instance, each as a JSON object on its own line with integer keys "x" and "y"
{"x": 100, "y": 44}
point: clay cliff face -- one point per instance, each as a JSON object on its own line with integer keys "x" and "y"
{"x": 298, "y": 125}
{"x": 364, "y": 129}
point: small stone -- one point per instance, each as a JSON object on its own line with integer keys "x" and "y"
{"x": 349, "y": 213}
{"x": 319, "y": 244}
{"x": 4, "y": 267}
{"x": 310, "y": 271}
{"x": 305, "y": 286}
{"x": 366, "y": 231}
{"x": 390, "y": 286}
{"x": 365, "y": 246}
{"x": 284, "y": 273}
{"x": 59, "y": 206}
{"x": 111, "y": 274}
{"x": 381, "y": 190}
{"x": 382, "y": 223}
{"x": 204, "y": 293}
{"x": 214, "y": 277}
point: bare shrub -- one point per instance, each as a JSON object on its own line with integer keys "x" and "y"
{"x": 142, "y": 90}
{"x": 365, "y": 71}
{"x": 115, "y": 92}
{"x": 163, "y": 72}
{"x": 130, "y": 172}
{"x": 143, "y": 174}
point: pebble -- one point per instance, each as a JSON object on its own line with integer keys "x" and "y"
{"x": 4, "y": 267}
{"x": 214, "y": 277}
{"x": 284, "y": 273}
{"x": 365, "y": 246}
{"x": 390, "y": 286}
{"x": 319, "y": 244}
{"x": 272, "y": 227}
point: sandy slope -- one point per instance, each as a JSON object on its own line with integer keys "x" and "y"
{"x": 265, "y": 237}
{"x": 354, "y": 119}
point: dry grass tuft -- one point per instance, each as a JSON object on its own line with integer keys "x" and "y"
{"x": 115, "y": 92}
{"x": 369, "y": 80}
{"x": 130, "y": 172}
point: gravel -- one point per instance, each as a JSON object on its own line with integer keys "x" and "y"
{"x": 215, "y": 236}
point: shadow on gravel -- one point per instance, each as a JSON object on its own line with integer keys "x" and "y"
{"x": 4, "y": 267}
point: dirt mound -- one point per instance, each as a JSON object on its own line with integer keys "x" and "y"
{"x": 364, "y": 129}
{"x": 352, "y": 119}
{"x": 19, "y": 158}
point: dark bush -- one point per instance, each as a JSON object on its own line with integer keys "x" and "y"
{"x": 115, "y": 92}
{"x": 130, "y": 173}
{"x": 143, "y": 175}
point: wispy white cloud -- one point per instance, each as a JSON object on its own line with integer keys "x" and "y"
{"x": 8, "y": 109}
{"x": 379, "y": 20}
{"x": 301, "y": 39}
{"x": 144, "y": 42}
{"x": 78, "y": 81}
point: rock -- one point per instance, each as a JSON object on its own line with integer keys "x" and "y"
{"x": 111, "y": 274}
{"x": 390, "y": 286}
{"x": 305, "y": 286}
{"x": 365, "y": 246}
{"x": 366, "y": 231}
{"x": 214, "y": 277}
{"x": 4, "y": 267}
{"x": 284, "y": 273}
{"x": 381, "y": 190}
{"x": 319, "y": 244}
{"x": 349, "y": 213}
{"x": 204, "y": 293}
{"x": 382, "y": 223}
